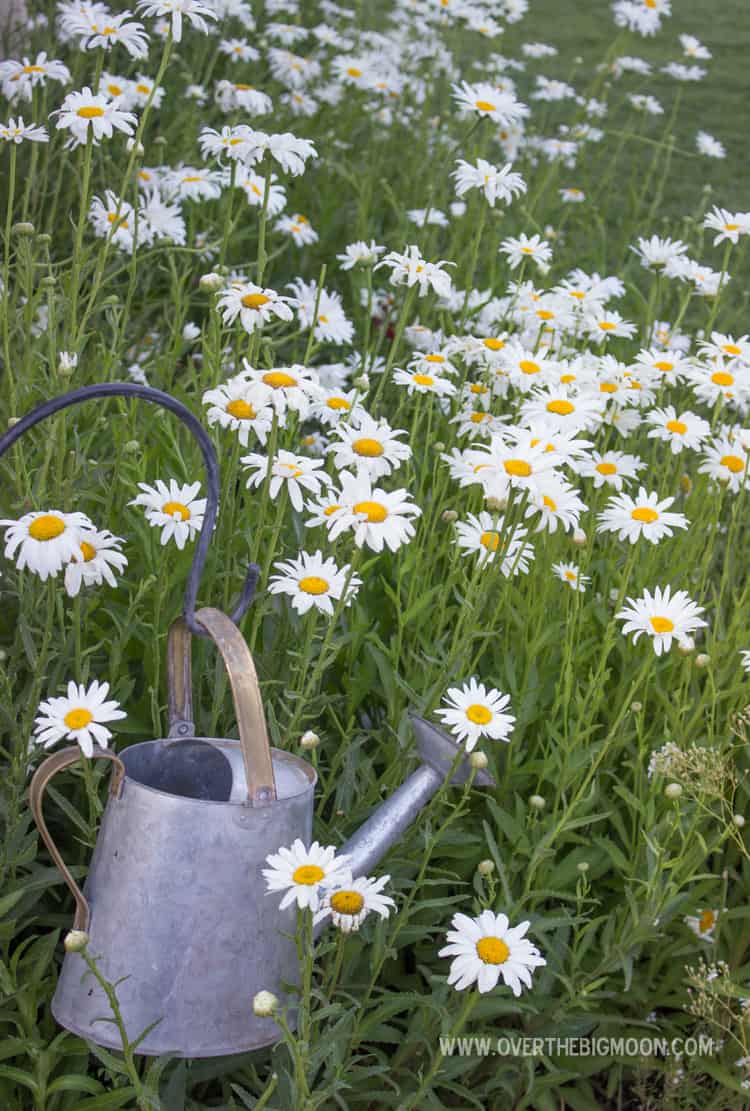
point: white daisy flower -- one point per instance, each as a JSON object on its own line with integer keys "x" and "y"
{"x": 337, "y": 405}
{"x": 285, "y": 388}
{"x": 299, "y": 228}
{"x": 312, "y": 581}
{"x": 378, "y": 518}
{"x": 486, "y": 535}
{"x": 409, "y": 268}
{"x": 418, "y": 381}
{"x": 745, "y": 654}
{"x": 16, "y": 131}
{"x": 302, "y": 873}
{"x": 686, "y": 430}
{"x": 78, "y": 717}
{"x": 487, "y": 948}
{"x": 297, "y": 473}
{"x": 239, "y": 406}
{"x": 663, "y": 616}
{"x": 728, "y": 225}
{"x": 45, "y": 540}
{"x": 174, "y": 509}
{"x": 496, "y": 184}
{"x": 360, "y": 253}
{"x": 99, "y": 551}
{"x": 83, "y": 112}
{"x": 350, "y": 901}
{"x": 642, "y": 516}
{"x": 254, "y": 305}
{"x": 570, "y": 574}
{"x": 254, "y": 188}
{"x": 473, "y": 712}
{"x": 488, "y": 100}
{"x": 610, "y": 468}
{"x": 725, "y": 460}
{"x": 372, "y": 446}
{"x": 704, "y": 925}
{"x": 195, "y": 12}
{"x": 526, "y": 247}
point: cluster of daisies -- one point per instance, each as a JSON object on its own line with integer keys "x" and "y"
{"x": 483, "y": 949}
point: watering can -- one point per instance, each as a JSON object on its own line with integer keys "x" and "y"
{"x": 174, "y": 902}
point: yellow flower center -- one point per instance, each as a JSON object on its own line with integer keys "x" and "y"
{"x": 732, "y": 349}
{"x": 255, "y": 300}
{"x": 677, "y": 426}
{"x": 46, "y": 527}
{"x": 308, "y": 874}
{"x": 338, "y": 403}
{"x": 518, "y": 467}
{"x": 313, "y": 584}
{"x": 661, "y": 624}
{"x": 528, "y": 366}
{"x": 279, "y": 379}
{"x": 733, "y": 463}
{"x": 494, "y": 344}
{"x": 478, "y": 388}
{"x": 88, "y": 552}
{"x": 244, "y": 88}
{"x": 490, "y": 541}
{"x": 376, "y": 513}
{"x": 354, "y": 72}
{"x": 664, "y": 366}
{"x": 241, "y": 410}
{"x": 566, "y": 379}
{"x": 330, "y": 510}
{"x": 434, "y": 359}
{"x": 570, "y": 576}
{"x": 606, "y": 325}
{"x": 322, "y": 318}
{"x": 706, "y": 921}
{"x": 171, "y": 508}
{"x": 550, "y": 503}
{"x": 577, "y": 293}
{"x": 145, "y": 89}
{"x": 193, "y": 177}
{"x": 115, "y": 90}
{"x": 91, "y": 113}
{"x": 492, "y": 950}
{"x": 527, "y": 250}
{"x": 33, "y": 69}
{"x": 424, "y": 379}
{"x": 347, "y": 902}
{"x": 368, "y": 447}
{"x": 722, "y": 378}
{"x": 731, "y": 227}
{"x": 478, "y": 418}
{"x": 478, "y": 714}
{"x": 545, "y": 314}
{"x": 78, "y": 719}
{"x": 484, "y": 106}
{"x": 608, "y": 387}
{"x": 562, "y": 408}
{"x": 645, "y": 513}
{"x": 606, "y": 468}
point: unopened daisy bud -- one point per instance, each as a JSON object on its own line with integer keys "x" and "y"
{"x": 49, "y": 281}
{"x": 614, "y": 594}
{"x": 496, "y": 505}
{"x": 686, "y": 646}
{"x": 3, "y": 655}
{"x": 579, "y": 537}
{"x": 439, "y": 445}
{"x": 23, "y": 227}
{"x": 132, "y": 446}
{"x": 449, "y": 516}
{"x": 44, "y": 240}
{"x": 160, "y": 141}
{"x": 582, "y": 866}
{"x": 536, "y": 802}
{"x": 309, "y": 739}
{"x": 739, "y": 821}
{"x": 264, "y": 1004}
{"x": 190, "y": 332}
{"x": 362, "y": 381}
{"x": 66, "y": 363}
{"x": 636, "y": 707}
{"x": 486, "y": 867}
{"x": 478, "y": 760}
{"x": 672, "y": 791}
{"x": 13, "y": 421}
{"x": 211, "y": 281}
{"x": 76, "y": 941}
{"x": 702, "y": 660}
{"x": 131, "y": 145}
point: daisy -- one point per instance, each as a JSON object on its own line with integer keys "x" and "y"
{"x": 235, "y": 405}
{"x": 496, "y": 184}
{"x": 295, "y": 472}
{"x": 572, "y": 195}
{"x": 727, "y": 347}
{"x": 663, "y": 616}
{"x": 686, "y": 430}
{"x": 360, "y": 253}
{"x": 378, "y": 518}
{"x": 290, "y": 152}
{"x": 729, "y": 225}
{"x": 411, "y": 269}
{"x": 486, "y": 948}
{"x": 556, "y": 502}
{"x": 174, "y": 509}
{"x": 331, "y": 323}
{"x": 694, "y": 48}
{"x": 99, "y": 552}
{"x": 373, "y": 446}
{"x": 238, "y": 50}
{"x": 487, "y": 100}
{"x": 704, "y": 925}
{"x": 602, "y": 324}
{"x": 655, "y": 253}
{"x": 417, "y": 381}
{"x": 725, "y": 460}
{"x": 522, "y": 248}
{"x": 335, "y": 406}
{"x": 21, "y": 78}
{"x": 78, "y": 717}
{"x": 665, "y": 365}
{"x": 286, "y": 388}
{"x": 254, "y": 305}
{"x": 312, "y": 581}
{"x": 745, "y": 654}
{"x": 302, "y": 873}
{"x": 350, "y": 901}
{"x": 643, "y": 515}
{"x": 563, "y": 409}
{"x": 299, "y": 228}
{"x": 488, "y": 537}
{"x": 45, "y": 540}
{"x": 91, "y": 34}
{"x": 16, "y": 131}
{"x": 473, "y": 712}
{"x": 570, "y": 573}
{"x": 85, "y": 114}
{"x": 610, "y": 468}
{"x": 195, "y": 12}
{"x": 254, "y": 187}
{"x": 194, "y": 184}
{"x": 708, "y": 145}
{"x": 114, "y": 219}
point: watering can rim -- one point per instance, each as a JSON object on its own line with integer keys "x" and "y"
{"x": 217, "y": 742}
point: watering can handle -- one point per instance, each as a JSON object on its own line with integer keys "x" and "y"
{"x": 251, "y": 719}
{"x": 39, "y": 783}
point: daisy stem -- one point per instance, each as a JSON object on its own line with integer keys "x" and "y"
{"x": 87, "y": 767}
{"x": 262, "y": 256}
{"x": 273, "y": 437}
{"x": 5, "y": 292}
{"x": 268, "y": 557}
{"x": 314, "y": 323}
{"x": 78, "y": 246}
{"x": 338, "y": 962}
{"x": 467, "y": 1007}
{"x": 473, "y": 261}
{"x": 715, "y": 306}
{"x": 400, "y": 325}
{"x": 300, "y": 1074}
{"x": 228, "y": 217}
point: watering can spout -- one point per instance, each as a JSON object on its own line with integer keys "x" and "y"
{"x": 440, "y": 758}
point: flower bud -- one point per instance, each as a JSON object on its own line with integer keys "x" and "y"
{"x": 686, "y": 646}
{"x": 264, "y": 1004}
{"x": 131, "y": 144}
{"x": 439, "y": 445}
{"x": 13, "y": 421}
{"x": 672, "y": 791}
{"x": 132, "y": 446}
{"x": 739, "y": 821}
{"x": 579, "y": 538}
{"x": 76, "y": 941}
{"x": 478, "y": 760}
{"x": 211, "y": 282}
{"x": 582, "y": 866}
{"x": 636, "y": 707}
{"x": 23, "y": 227}
{"x": 495, "y": 505}
{"x": 309, "y": 739}
{"x": 449, "y": 516}
{"x": 486, "y": 867}
{"x": 362, "y": 381}
{"x": 49, "y": 281}
{"x": 66, "y": 363}
{"x": 702, "y": 660}
{"x": 44, "y": 240}
{"x": 537, "y": 802}
{"x": 686, "y": 483}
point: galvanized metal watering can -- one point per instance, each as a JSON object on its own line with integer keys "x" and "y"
{"x": 174, "y": 902}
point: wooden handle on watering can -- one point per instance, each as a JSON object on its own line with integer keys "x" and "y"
{"x": 248, "y": 707}
{"x": 39, "y": 783}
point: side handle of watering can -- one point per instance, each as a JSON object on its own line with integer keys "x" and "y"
{"x": 39, "y": 783}
{"x": 248, "y": 706}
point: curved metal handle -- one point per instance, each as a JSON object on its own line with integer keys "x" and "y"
{"x": 40, "y": 780}
{"x": 248, "y": 706}
{"x": 166, "y": 401}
